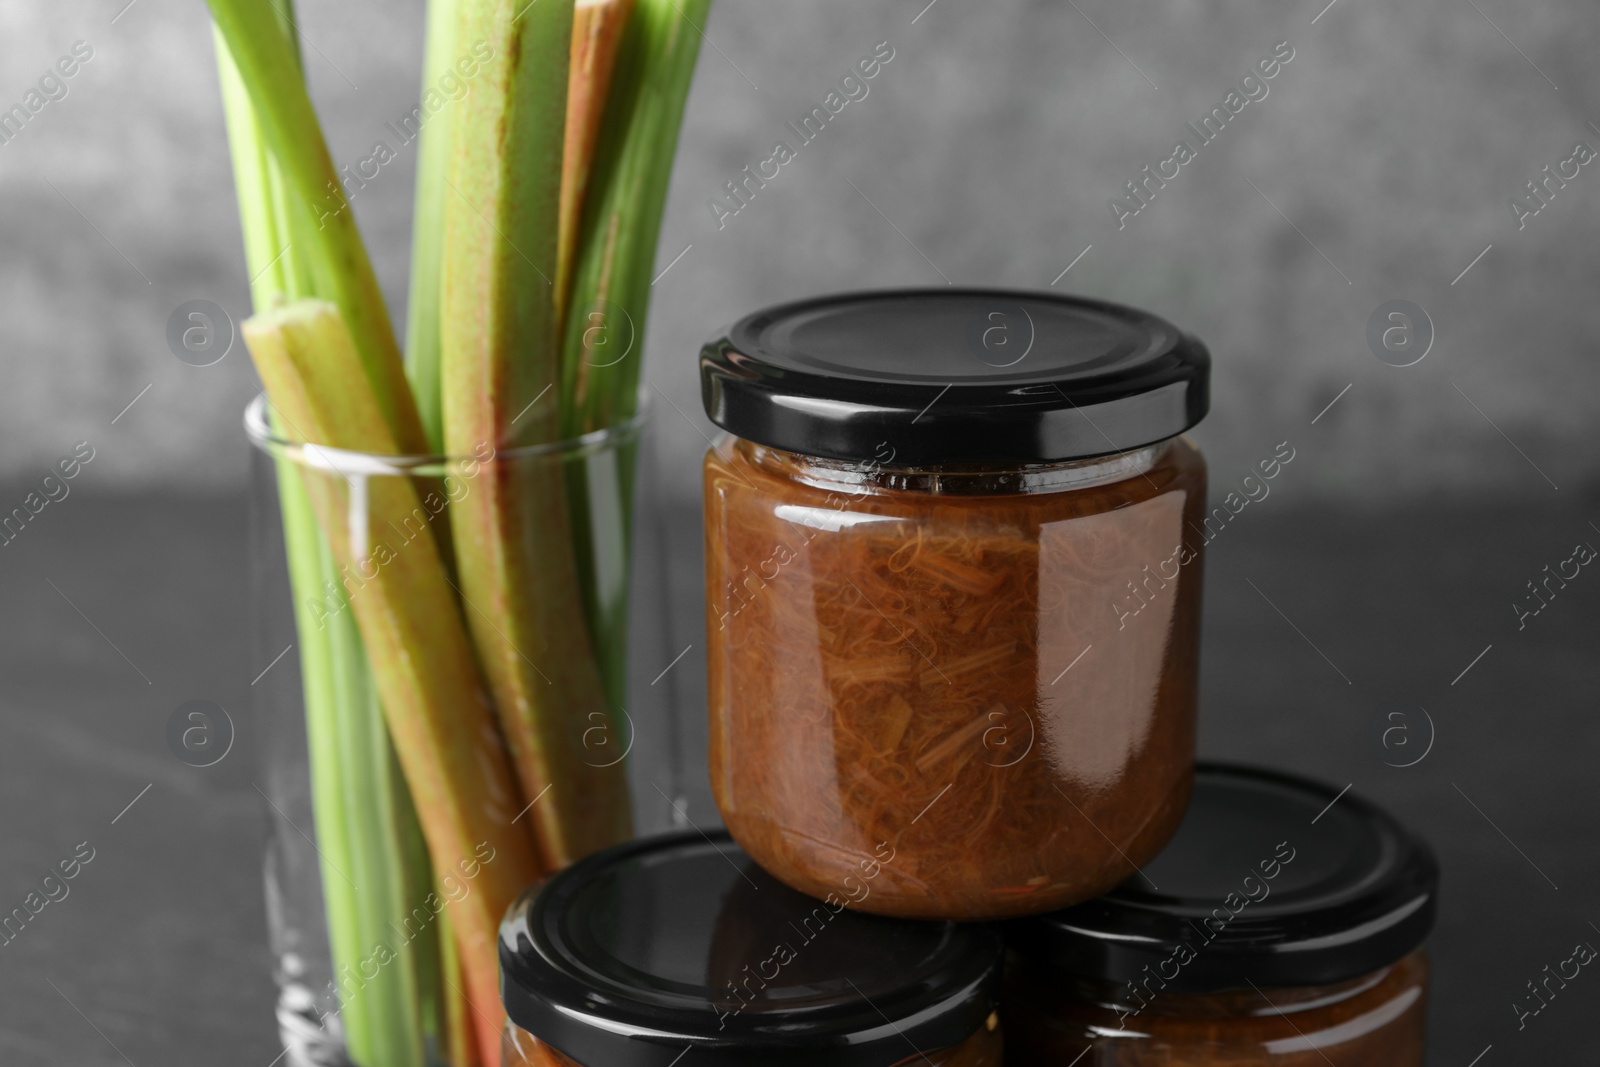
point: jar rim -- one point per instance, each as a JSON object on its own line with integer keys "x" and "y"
{"x": 258, "y": 430}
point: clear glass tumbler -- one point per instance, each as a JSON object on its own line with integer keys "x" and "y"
{"x": 358, "y": 921}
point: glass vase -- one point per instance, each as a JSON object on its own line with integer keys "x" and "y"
{"x": 358, "y": 922}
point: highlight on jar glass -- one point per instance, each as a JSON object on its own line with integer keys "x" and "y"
{"x": 679, "y": 949}
{"x": 953, "y": 566}
{"x": 1286, "y": 931}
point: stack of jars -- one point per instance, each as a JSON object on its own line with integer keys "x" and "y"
{"x": 954, "y": 545}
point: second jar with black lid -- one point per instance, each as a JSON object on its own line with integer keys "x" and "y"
{"x": 1282, "y": 926}
{"x": 677, "y": 951}
{"x": 953, "y": 577}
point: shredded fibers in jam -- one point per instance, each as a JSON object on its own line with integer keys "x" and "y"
{"x": 994, "y": 688}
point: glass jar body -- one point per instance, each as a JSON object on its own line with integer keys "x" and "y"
{"x": 1378, "y": 1020}
{"x": 982, "y": 1049}
{"x": 961, "y": 694}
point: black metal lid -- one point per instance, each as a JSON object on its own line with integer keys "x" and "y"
{"x": 1270, "y": 879}
{"x": 642, "y": 951}
{"x": 949, "y": 376}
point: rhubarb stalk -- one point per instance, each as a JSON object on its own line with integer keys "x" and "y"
{"x": 422, "y": 662}
{"x": 362, "y": 812}
{"x": 603, "y": 336}
{"x": 540, "y": 195}
{"x": 622, "y": 220}
{"x": 597, "y": 31}
{"x": 434, "y": 141}
{"x": 325, "y": 231}
{"x": 500, "y": 357}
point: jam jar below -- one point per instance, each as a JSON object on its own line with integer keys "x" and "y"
{"x": 1287, "y": 932}
{"x": 679, "y": 948}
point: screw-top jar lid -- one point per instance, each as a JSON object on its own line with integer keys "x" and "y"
{"x": 950, "y": 376}
{"x": 678, "y": 942}
{"x": 1271, "y": 879}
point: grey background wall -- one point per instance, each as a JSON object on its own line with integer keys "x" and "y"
{"x": 1382, "y": 161}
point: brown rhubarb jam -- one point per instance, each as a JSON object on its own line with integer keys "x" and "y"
{"x": 1272, "y": 941}
{"x": 953, "y": 581}
{"x": 681, "y": 948}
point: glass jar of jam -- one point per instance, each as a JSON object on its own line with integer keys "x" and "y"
{"x": 678, "y": 949}
{"x": 1282, "y": 926}
{"x": 953, "y": 563}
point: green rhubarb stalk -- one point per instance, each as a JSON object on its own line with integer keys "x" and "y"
{"x": 622, "y": 219}
{"x": 597, "y": 32}
{"x": 353, "y": 780}
{"x": 459, "y": 1046}
{"x": 277, "y": 271}
{"x": 325, "y": 233}
{"x": 414, "y": 932}
{"x": 422, "y": 662}
{"x": 319, "y": 648}
{"x": 500, "y": 356}
{"x": 362, "y": 813}
{"x": 434, "y": 139}
{"x": 371, "y": 781}
{"x": 335, "y": 374}
{"x": 427, "y": 229}
{"x": 611, "y": 293}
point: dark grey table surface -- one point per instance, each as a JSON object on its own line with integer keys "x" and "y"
{"x": 1318, "y": 624}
